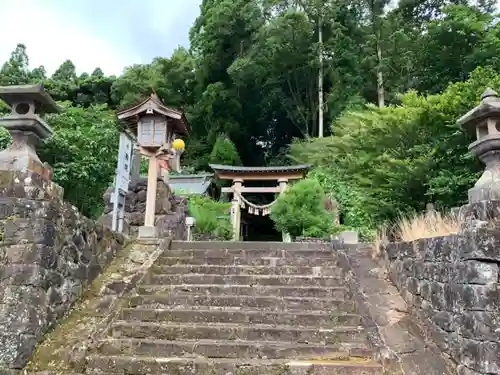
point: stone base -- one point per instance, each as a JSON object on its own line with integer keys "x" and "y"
{"x": 286, "y": 237}
{"x": 484, "y": 193}
{"x": 484, "y": 211}
{"x": 21, "y": 154}
{"x": 349, "y": 237}
{"x": 28, "y": 184}
{"x": 170, "y": 213}
{"x": 26, "y": 163}
{"x": 148, "y": 232}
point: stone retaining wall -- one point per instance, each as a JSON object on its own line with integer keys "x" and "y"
{"x": 49, "y": 253}
{"x": 452, "y": 283}
{"x": 170, "y": 215}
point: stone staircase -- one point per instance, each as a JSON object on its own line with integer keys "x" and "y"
{"x": 238, "y": 308}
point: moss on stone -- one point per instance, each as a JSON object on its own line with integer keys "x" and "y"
{"x": 53, "y": 353}
{"x": 6, "y": 178}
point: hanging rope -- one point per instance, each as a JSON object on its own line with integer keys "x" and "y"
{"x": 253, "y": 208}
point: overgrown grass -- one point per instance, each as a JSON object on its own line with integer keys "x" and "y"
{"x": 426, "y": 225}
{"x": 413, "y": 227}
{"x": 380, "y": 240}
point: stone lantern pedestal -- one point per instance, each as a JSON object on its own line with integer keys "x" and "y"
{"x": 484, "y": 122}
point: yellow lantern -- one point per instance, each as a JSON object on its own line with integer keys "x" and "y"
{"x": 178, "y": 144}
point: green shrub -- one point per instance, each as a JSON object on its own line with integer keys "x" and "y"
{"x": 224, "y": 152}
{"x": 212, "y": 218}
{"x": 301, "y": 211}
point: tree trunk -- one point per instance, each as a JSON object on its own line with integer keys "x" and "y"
{"x": 380, "y": 77}
{"x": 320, "y": 79}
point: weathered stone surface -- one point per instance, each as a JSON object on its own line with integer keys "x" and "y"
{"x": 400, "y": 338}
{"x": 49, "y": 253}
{"x": 65, "y": 348}
{"x": 483, "y": 211}
{"x": 226, "y": 328}
{"x": 28, "y": 185}
{"x": 171, "y": 210}
{"x": 454, "y": 286}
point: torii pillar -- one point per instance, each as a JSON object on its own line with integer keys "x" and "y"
{"x": 283, "y": 183}
{"x": 236, "y": 208}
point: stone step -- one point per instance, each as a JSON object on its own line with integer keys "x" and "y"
{"x": 247, "y": 290}
{"x": 205, "y": 314}
{"x": 259, "y": 302}
{"x": 246, "y": 270}
{"x": 228, "y": 331}
{"x": 132, "y": 365}
{"x": 231, "y": 349}
{"x": 295, "y": 280}
{"x": 325, "y": 261}
{"x": 248, "y": 245}
{"x": 250, "y": 254}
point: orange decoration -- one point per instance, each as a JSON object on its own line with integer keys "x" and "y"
{"x": 163, "y": 164}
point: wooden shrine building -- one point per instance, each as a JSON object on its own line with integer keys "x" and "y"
{"x": 238, "y": 175}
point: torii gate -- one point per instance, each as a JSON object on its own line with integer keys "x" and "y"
{"x": 238, "y": 175}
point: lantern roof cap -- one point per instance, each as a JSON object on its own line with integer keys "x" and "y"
{"x": 488, "y": 107}
{"x": 131, "y": 114}
{"x": 18, "y": 93}
{"x": 489, "y": 93}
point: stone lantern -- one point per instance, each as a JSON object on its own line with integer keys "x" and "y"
{"x": 157, "y": 129}
{"x": 24, "y": 123}
{"x": 484, "y": 122}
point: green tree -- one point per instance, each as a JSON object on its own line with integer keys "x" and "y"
{"x": 301, "y": 210}
{"x": 399, "y": 158}
{"x": 15, "y": 71}
{"x": 83, "y": 152}
{"x": 224, "y": 152}
{"x": 225, "y": 30}
{"x": 65, "y": 73}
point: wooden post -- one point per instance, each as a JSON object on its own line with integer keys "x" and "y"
{"x": 283, "y": 183}
{"x": 236, "y": 209}
{"x": 149, "y": 219}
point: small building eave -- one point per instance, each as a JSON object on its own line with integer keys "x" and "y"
{"x": 131, "y": 114}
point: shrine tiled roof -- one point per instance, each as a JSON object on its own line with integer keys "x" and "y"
{"x": 190, "y": 184}
{"x": 234, "y": 168}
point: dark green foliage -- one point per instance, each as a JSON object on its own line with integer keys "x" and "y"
{"x": 382, "y": 162}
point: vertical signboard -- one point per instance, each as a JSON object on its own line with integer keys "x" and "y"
{"x": 122, "y": 179}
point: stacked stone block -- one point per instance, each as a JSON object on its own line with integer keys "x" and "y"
{"x": 170, "y": 214}
{"x": 453, "y": 283}
{"x": 49, "y": 253}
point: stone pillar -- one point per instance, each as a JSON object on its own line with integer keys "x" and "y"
{"x": 236, "y": 209}
{"x": 283, "y": 183}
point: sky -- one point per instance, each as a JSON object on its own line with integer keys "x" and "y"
{"x": 110, "y": 34}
